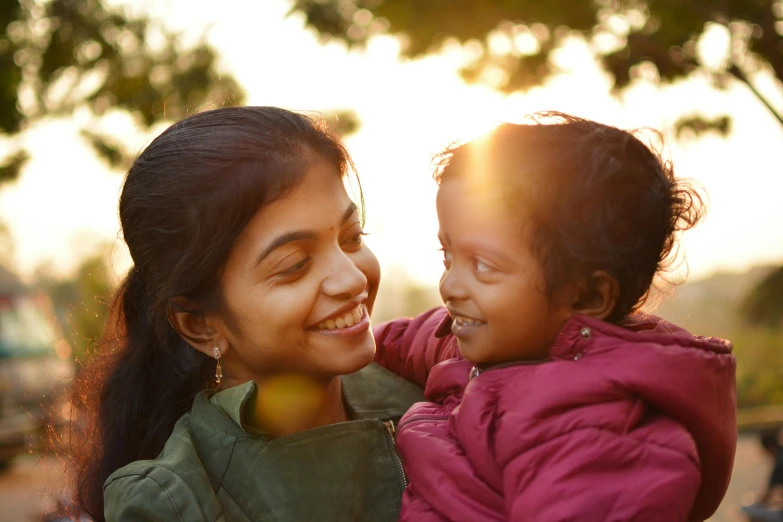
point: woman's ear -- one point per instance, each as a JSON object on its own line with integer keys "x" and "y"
{"x": 197, "y": 329}
{"x": 598, "y": 295}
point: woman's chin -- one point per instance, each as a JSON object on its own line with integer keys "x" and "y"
{"x": 362, "y": 357}
{"x": 357, "y": 358}
{"x": 338, "y": 355}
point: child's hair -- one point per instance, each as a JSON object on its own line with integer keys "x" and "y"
{"x": 596, "y": 196}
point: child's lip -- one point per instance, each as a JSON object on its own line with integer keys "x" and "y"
{"x": 456, "y": 314}
{"x": 463, "y": 325}
{"x": 461, "y": 329}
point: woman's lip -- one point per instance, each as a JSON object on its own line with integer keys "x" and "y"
{"x": 342, "y": 311}
{"x": 362, "y": 326}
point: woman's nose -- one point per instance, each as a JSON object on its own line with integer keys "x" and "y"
{"x": 344, "y": 278}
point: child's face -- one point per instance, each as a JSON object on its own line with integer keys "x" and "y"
{"x": 493, "y": 285}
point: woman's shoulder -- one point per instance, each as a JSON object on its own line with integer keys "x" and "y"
{"x": 178, "y": 483}
{"x": 150, "y": 490}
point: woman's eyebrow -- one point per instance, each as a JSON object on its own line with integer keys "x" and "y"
{"x": 348, "y": 212}
{"x": 299, "y": 235}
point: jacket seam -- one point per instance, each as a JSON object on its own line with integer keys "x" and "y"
{"x": 228, "y": 462}
{"x": 612, "y": 432}
{"x": 204, "y": 401}
{"x": 156, "y": 481}
{"x": 237, "y": 504}
{"x": 622, "y": 335}
{"x": 171, "y": 499}
{"x": 331, "y": 434}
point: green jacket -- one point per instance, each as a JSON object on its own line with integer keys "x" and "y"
{"x": 212, "y": 470}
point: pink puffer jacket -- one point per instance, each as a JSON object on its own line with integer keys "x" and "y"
{"x": 632, "y": 423}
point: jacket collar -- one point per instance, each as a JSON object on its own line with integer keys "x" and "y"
{"x": 232, "y": 401}
{"x": 370, "y": 393}
{"x": 583, "y": 334}
{"x": 444, "y": 328}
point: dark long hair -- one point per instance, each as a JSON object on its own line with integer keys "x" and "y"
{"x": 185, "y": 201}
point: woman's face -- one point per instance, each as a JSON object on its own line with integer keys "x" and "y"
{"x": 299, "y": 285}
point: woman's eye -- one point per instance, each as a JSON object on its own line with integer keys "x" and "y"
{"x": 301, "y": 265}
{"x": 354, "y": 237}
{"x": 446, "y": 258}
{"x": 358, "y": 239}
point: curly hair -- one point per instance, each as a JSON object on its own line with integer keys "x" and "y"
{"x": 596, "y": 196}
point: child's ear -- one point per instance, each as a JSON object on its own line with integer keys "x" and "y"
{"x": 197, "y": 329}
{"x": 598, "y": 295}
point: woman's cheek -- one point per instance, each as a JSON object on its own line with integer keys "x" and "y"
{"x": 371, "y": 268}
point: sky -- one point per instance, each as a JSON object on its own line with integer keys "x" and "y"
{"x": 66, "y": 201}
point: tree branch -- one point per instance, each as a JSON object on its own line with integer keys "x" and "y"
{"x": 741, "y": 76}
{"x": 771, "y": 41}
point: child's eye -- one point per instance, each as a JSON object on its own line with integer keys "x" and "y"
{"x": 446, "y": 258}
{"x": 481, "y": 267}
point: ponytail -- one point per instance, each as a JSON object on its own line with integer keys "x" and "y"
{"x": 150, "y": 377}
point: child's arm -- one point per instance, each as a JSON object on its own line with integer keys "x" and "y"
{"x": 409, "y": 347}
{"x": 595, "y": 475}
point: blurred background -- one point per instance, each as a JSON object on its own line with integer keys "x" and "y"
{"x": 85, "y": 84}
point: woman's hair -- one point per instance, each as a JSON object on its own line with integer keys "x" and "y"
{"x": 185, "y": 201}
{"x": 596, "y": 197}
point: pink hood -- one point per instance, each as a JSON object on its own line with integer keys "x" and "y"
{"x": 687, "y": 378}
{"x": 644, "y": 413}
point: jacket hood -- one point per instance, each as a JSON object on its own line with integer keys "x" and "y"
{"x": 688, "y": 378}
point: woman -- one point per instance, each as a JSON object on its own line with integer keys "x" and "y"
{"x": 219, "y": 395}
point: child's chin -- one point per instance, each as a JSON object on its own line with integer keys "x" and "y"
{"x": 470, "y": 353}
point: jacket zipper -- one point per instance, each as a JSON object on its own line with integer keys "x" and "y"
{"x": 396, "y": 456}
{"x": 416, "y": 418}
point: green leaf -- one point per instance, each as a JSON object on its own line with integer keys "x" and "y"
{"x": 658, "y": 32}
{"x": 109, "y": 150}
{"x": 764, "y": 304}
{"x": 12, "y": 166}
{"x": 342, "y": 123}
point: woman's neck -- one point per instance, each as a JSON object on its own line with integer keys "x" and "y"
{"x": 288, "y": 404}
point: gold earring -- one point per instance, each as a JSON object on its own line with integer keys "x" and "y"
{"x": 218, "y": 369}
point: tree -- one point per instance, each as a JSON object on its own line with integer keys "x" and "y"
{"x": 654, "y": 39}
{"x": 81, "y": 301}
{"x": 60, "y": 56}
{"x": 763, "y": 306}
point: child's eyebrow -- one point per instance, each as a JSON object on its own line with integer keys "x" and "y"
{"x": 479, "y": 247}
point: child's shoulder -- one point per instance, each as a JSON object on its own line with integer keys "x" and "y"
{"x": 432, "y": 323}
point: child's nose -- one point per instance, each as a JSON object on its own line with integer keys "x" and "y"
{"x": 452, "y": 285}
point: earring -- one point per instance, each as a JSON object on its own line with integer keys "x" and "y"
{"x": 218, "y": 369}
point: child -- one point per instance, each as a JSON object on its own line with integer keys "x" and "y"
{"x": 551, "y": 398}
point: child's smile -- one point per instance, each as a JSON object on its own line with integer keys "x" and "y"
{"x": 463, "y": 326}
{"x": 493, "y": 285}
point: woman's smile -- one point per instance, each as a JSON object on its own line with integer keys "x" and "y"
{"x": 354, "y": 321}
